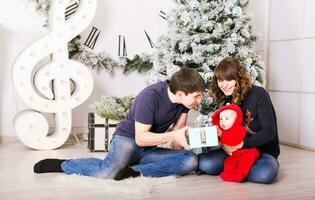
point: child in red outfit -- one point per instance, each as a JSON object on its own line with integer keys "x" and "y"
{"x": 229, "y": 121}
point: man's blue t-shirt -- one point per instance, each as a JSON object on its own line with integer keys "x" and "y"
{"x": 152, "y": 106}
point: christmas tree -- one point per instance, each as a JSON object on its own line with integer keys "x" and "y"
{"x": 203, "y": 32}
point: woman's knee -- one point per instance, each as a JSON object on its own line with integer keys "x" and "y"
{"x": 265, "y": 176}
{"x": 265, "y": 171}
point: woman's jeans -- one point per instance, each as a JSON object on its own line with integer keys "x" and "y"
{"x": 123, "y": 152}
{"x": 265, "y": 169}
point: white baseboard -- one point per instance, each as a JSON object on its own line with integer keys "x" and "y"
{"x": 8, "y": 138}
{"x": 298, "y": 146}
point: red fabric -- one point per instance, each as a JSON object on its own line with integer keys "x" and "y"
{"x": 237, "y": 132}
{"x": 233, "y": 136}
{"x": 236, "y": 108}
{"x": 238, "y": 165}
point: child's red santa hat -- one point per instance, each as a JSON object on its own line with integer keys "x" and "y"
{"x": 237, "y": 132}
{"x": 237, "y": 109}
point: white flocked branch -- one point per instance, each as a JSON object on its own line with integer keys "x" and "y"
{"x": 33, "y": 84}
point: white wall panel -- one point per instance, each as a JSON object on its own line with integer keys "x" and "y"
{"x": 284, "y": 65}
{"x": 287, "y": 115}
{"x": 286, "y": 19}
{"x": 258, "y": 10}
{"x": 308, "y": 66}
{"x": 292, "y": 68}
{"x": 309, "y": 16}
{"x": 307, "y": 120}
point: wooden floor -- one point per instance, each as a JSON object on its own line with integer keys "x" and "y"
{"x": 296, "y": 179}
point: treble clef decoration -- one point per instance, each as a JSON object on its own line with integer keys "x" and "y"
{"x": 33, "y": 85}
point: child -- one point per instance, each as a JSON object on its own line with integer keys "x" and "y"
{"x": 229, "y": 121}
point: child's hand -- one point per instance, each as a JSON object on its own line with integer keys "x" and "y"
{"x": 230, "y": 149}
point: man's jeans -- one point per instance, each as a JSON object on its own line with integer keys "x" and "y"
{"x": 265, "y": 169}
{"x": 154, "y": 162}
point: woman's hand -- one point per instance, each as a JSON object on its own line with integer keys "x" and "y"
{"x": 230, "y": 149}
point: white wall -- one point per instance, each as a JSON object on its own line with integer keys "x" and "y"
{"x": 291, "y": 69}
{"x": 20, "y": 30}
{"x": 19, "y": 26}
{"x": 258, "y": 10}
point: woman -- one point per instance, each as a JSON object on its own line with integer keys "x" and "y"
{"x": 231, "y": 84}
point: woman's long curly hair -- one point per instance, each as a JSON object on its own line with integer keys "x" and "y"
{"x": 230, "y": 69}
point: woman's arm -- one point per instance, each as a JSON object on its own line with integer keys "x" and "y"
{"x": 266, "y": 120}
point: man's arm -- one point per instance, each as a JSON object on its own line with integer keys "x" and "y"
{"x": 146, "y": 138}
{"x": 181, "y": 122}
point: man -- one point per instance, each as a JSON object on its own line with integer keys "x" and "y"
{"x": 133, "y": 148}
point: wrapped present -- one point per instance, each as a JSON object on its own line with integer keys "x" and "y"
{"x": 202, "y": 137}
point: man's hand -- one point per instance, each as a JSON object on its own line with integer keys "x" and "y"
{"x": 230, "y": 149}
{"x": 176, "y": 146}
{"x": 180, "y": 138}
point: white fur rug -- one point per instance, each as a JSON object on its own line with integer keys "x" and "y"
{"x": 142, "y": 186}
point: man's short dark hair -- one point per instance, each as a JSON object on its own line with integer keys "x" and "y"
{"x": 187, "y": 80}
